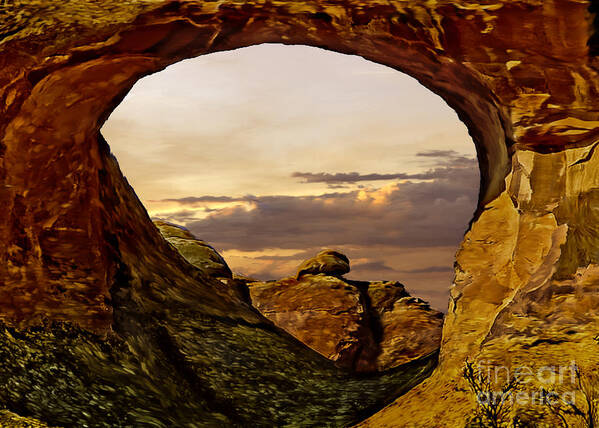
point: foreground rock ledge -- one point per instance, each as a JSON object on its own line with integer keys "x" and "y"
{"x": 76, "y": 246}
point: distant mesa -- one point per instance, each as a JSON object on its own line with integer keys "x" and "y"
{"x": 362, "y": 326}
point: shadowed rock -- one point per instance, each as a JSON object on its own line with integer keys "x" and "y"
{"x": 409, "y": 327}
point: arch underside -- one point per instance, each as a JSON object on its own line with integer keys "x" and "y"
{"x": 78, "y": 246}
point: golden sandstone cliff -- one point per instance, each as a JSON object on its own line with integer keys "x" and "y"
{"x": 87, "y": 281}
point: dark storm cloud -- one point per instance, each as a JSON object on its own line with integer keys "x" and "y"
{"x": 410, "y": 214}
{"x": 352, "y": 177}
{"x": 447, "y": 162}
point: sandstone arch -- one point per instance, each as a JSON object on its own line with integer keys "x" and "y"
{"x": 76, "y": 244}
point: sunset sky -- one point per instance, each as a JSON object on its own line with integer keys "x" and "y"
{"x": 273, "y": 152}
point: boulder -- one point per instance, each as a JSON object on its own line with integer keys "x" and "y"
{"x": 410, "y": 328}
{"x": 324, "y": 312}
{"x": 329, "y": 262}
{"x": 197, "y": 252}
{"x": 203, "y": 256}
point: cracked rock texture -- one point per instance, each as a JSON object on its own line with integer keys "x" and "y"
{"x": 77, "y": 247}
{"x": 408, "y": 328}
{"x": 326, "y": 313}
{"x": 362, "y": 326}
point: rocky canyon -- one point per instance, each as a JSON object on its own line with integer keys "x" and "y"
{"x": 362, "y": 326}
{"x": 105, "y": 323}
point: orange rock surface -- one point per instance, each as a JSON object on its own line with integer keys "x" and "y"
{"x": 362, "y": 326}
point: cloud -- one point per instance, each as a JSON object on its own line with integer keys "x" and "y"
{"x": 178, "y": 217}
{"x": 350, "y": 177}
{"x": 405, "y": 231}
{"x": 446, "y": 163}
{"x": 439, "y": 154}
{"x": 410, "y": 214}
{"x": 297, "y": 257}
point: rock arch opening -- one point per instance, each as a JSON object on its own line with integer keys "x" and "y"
{"x": 66, "y": 97}
{"x": 272, "y": 153}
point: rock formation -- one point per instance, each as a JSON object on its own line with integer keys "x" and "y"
{"x": 78, "y": 250}
{"x": 362, "y": 326}
{"x": 326, "y": 313}
{"x": 328, "y": 262}
{"x": 203, "y": 257}
{"x": 409, "y": 328}
{"x": 197, "y": 252}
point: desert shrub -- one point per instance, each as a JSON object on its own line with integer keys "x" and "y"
{"x": 494, "y": 402}
{"x": 585, "y": 414}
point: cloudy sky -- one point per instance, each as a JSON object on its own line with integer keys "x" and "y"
{"x": 272, "y": 152}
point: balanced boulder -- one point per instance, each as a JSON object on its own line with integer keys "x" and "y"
{"x": 329, "y": 262}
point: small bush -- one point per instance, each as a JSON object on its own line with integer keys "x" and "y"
{"x": 587, "y": 414}
{"x": 495, "y": 402}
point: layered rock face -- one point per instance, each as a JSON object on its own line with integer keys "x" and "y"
{"x": 77, "y": 247}
{"x": 362, "y": 326}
